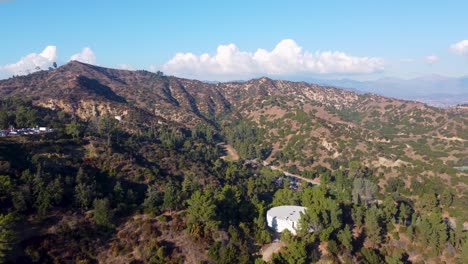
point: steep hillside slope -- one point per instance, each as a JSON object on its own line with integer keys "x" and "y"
{"x": 87, "y": 91}
{"x": 301, "y": 125}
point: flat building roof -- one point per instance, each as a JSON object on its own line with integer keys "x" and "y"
{"x": 287, "y": 212}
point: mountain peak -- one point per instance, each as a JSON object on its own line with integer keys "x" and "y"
{"x": 74, "y": 64}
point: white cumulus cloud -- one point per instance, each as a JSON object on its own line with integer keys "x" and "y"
{"x": 460, "y": 47}
{"x": 287, "y": 58}
{"x": 86, "y": 56}
{"x": 35, "y": 62}
{"x": 432, "y": 59}
{"x": 31, "y": 63}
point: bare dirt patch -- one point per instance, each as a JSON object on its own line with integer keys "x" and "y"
{"x": 231, "y": 153}
{"x": 135, "y": 239}
{"x": 389, "y": 163}
{"x": 268, "y": 250}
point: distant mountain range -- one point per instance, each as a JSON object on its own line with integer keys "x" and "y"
{"x": 434, "y": 90}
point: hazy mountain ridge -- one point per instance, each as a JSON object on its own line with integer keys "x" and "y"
{"x": 435, "y": 90}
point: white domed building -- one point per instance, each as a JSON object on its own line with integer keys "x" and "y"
{"x": 285, "y": 217}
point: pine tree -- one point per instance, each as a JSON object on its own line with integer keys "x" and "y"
{"x": 85, "y": 189}
{"x": 171, "y": 198}
{"x": 102, "y": 213}
{"x": 404, "y": 213}
{"x": 7, "y": 235}
{"x": 372, "y": 227}
{"x": 153, "y": 199}
{"x": 201, "y": 214}
{"x": 346, "y": 238}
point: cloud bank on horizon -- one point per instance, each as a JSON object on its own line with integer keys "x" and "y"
{"x": 35, "y": 62}
{"x": 31, "y": 62}
{"x": 287, "y": 58}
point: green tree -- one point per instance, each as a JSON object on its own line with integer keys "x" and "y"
{"x": 333, "y": 248}
{"x": 85, "y": 189}
{"x": 285, "y": 197}
{"x": 463, "y": 258}
{"x": 459, "y": 233}
{"x": 427, "y": 203}
{"x": 371, "y": 256}
{"x": 22, "y": 198}
{"x": 153, "y": 199}
{"x": 4, "y": 119}
{"x": 229, "y": 203}
{"x": 102, "y": 213}
{"x": 5, "y": 187}
{"x": 118, "y": 193}
{"x": 446, "y": 198}
{"x": 74, "y": 129}
{"x": 432, "y": 232}
{"x": 108, "y": 127}
{"x": 296, "y": 252}
{"x": 394, "y": 184}
{"x": 201, "y": 214}
{"x": 25, "y": 117}
{"x": 323, "y": 214}
{"x": 389, "y": 208}
{"x": 7, "y": 235}
{"x": 372, "y": 227}
{"x": 358, "y": 214}
{"x": 404, "y": 213}
{"x": 46, "y": 192}
{"x": 346, "y": 238}
{"x": 394, "y": 259}
{"x": 171, "y": 198}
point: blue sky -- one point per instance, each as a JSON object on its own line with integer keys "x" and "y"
{"x": 325, "y": 39}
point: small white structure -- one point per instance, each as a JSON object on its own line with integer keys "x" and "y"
{"x": 285, "y": 217}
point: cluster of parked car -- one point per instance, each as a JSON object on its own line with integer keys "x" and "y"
{"x": 24, "y": 131}
{"x": 294, "y": 183}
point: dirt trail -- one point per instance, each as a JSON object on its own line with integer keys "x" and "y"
{"x": 295, "y": 175}
{"x": 231, "y": 153}
{"x": 268, "y": 250}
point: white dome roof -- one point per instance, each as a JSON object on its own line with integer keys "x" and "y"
{"x": 287, "y": 212}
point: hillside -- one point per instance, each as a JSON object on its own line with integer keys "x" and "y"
{"x": 155, "y": 188}
{"x": 88, "y": 91}
{"x": 295, "y": 120}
